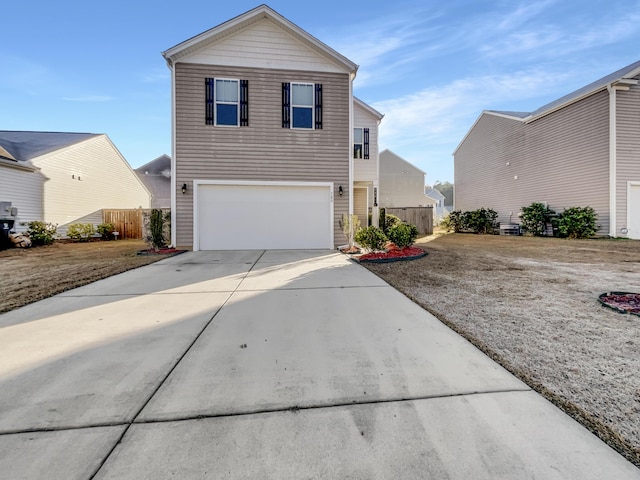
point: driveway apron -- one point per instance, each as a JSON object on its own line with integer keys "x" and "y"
{"x": 276, "y": 364}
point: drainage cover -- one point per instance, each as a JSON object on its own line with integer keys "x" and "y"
{"x": 622, "y": 302}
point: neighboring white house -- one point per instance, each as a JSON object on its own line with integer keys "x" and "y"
{"x": 439, "y": 210}
{"x": 402, "y": 184}
{"x": 64, "y": 178}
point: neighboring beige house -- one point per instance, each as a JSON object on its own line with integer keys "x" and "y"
{"x": 156, "y": 176}
{"x": 580, "y": 150}
{"x": 402, "y": 184}
{"x": 366, "y": 162}
{"x": 64, "y": 178}
{"x": 263, "y": 118}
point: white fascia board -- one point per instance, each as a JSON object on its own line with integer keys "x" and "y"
{"x": 368, "y": 108}
{"x": 486, "y": 112}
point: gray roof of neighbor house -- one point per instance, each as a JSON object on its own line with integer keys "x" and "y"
{"x": 159, "y": 166}
{"x": 24, "y": 146}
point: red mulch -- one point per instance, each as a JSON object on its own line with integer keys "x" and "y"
{"x": 392, "y": 255}
{"x": 622, "y": 302}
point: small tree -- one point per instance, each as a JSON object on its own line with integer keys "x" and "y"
{"x": 535, "y": 218}
{"x": 350, "y": 225}
{"x": 156, "y": 229}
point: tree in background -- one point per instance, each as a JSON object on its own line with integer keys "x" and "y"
{"x": 445, "y": 189}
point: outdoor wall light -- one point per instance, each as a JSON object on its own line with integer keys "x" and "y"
{"x": 340, "y": 191}
{"x": 184, "y": 188}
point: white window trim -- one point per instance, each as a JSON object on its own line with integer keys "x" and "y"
{"x": 215, "y": 102}
{"x": 312, "y": 107}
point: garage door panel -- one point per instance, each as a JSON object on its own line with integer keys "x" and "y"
{"x": 263, "y": 217}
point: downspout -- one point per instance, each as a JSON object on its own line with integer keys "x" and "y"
{"x": 174, "y": 235}
{"x": 613, "y": 147}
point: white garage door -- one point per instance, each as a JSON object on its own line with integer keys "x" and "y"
{"x": 633, "y": 208}
{"x": 263, "y": 216}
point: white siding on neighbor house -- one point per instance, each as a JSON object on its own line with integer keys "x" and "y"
{"x": 366, "y": 170}
{"x": 628, "y": 152}
{"x": 401, "y": 183}
{"x": 263, "y": 45}
{"x": 24, "y": 190}
{"x": 87, "y": 177}
{"x": 561, "y": 158}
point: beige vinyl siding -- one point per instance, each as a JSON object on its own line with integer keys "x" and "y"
{"x": 262, "y": 45}
{"x": 628, "y": 149}
{"x": 366, "y": 170}
{"x": 561, "y": 159}
{"x": 87, "y": 177}
{"x": 263, "y": 150}
{"x": 401, "y": 183}
{"x": 24, "y": 190}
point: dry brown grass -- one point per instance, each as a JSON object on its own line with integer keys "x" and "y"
{"x": 531, "y": 304}
{"x": 29, "y": 275}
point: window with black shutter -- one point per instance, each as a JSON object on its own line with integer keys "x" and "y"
{"x": 302, "y": 105}
{"x": 226, "y": 102}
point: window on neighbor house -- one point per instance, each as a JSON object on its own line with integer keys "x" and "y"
{"x": 226, "y": 102}
{"x": 361, "y": 143}
{"x": 302, "y": 105}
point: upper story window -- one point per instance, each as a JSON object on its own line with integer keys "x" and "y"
{"x": 226, "y": 102}
{"x": 361, "y": 143}
{"x": 302, "y": 105}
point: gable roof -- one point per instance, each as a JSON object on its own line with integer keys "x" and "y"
{"x": 389, "y": 152}
{"x": 434, "y": 193}
{"x": 159, "y": 166}
{"x": 24, "y": 146}
{"x": 622, "y": 79}
{"x": 368, "y": 108}
{"x": 246, "y": 19}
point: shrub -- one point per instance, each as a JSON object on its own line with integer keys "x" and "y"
{"x": 453, "y": 221}
{"x": 42, "y": 233}
{"x": 106, "y": 231}
{"x": 535, "y": 218}
{"x": 576, "y": 222}
{"x": 372, "y": 238}
{"x": 482, "y": 220}
{"x": 390, "y": 220}
{"x": 403, "y": 234}
{"x": 80, "y": 232}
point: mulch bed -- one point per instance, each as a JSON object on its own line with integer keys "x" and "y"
{"x": 161, "y": 251}
{"x": 622, "y": 302}
{"x": 392, "y": 255}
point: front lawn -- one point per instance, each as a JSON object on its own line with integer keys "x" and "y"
{"x": 532, "y": 304}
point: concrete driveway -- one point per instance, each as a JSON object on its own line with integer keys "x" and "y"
{"x": 276, "y": 364}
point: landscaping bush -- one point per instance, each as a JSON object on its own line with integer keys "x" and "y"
{"x": 390, "y": 220}
{"x": 372, "y": 238}
{"x": 350, "y": 225}
{"x": 535, "y": 218}
{"x": 106, "y": 231}
{"x": 41, "y": 233}
{"x": 403, "y": 234}
{"x": 156, "y": 231}
{"x": 483, "y": 220}
{"x": 576, "y": 222}
{"x": 453, "y": 221}
{"x": 80, "y": 232}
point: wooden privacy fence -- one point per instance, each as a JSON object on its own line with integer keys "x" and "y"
{"x": 128, "y": 223}
{"x": 421, "y": 217}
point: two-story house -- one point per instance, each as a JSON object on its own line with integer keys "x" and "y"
{"x": 263, "y": 137}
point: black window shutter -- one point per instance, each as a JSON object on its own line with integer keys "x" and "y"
{"x": 286, "y": 104}
{"x": 244, "y": 103}
{"x": 318, "y": 105}
{"x": 208, "y": 103}
{"x": 365, "y": 143}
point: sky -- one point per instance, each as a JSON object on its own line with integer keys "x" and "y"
{"x": 430, "y": 67}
